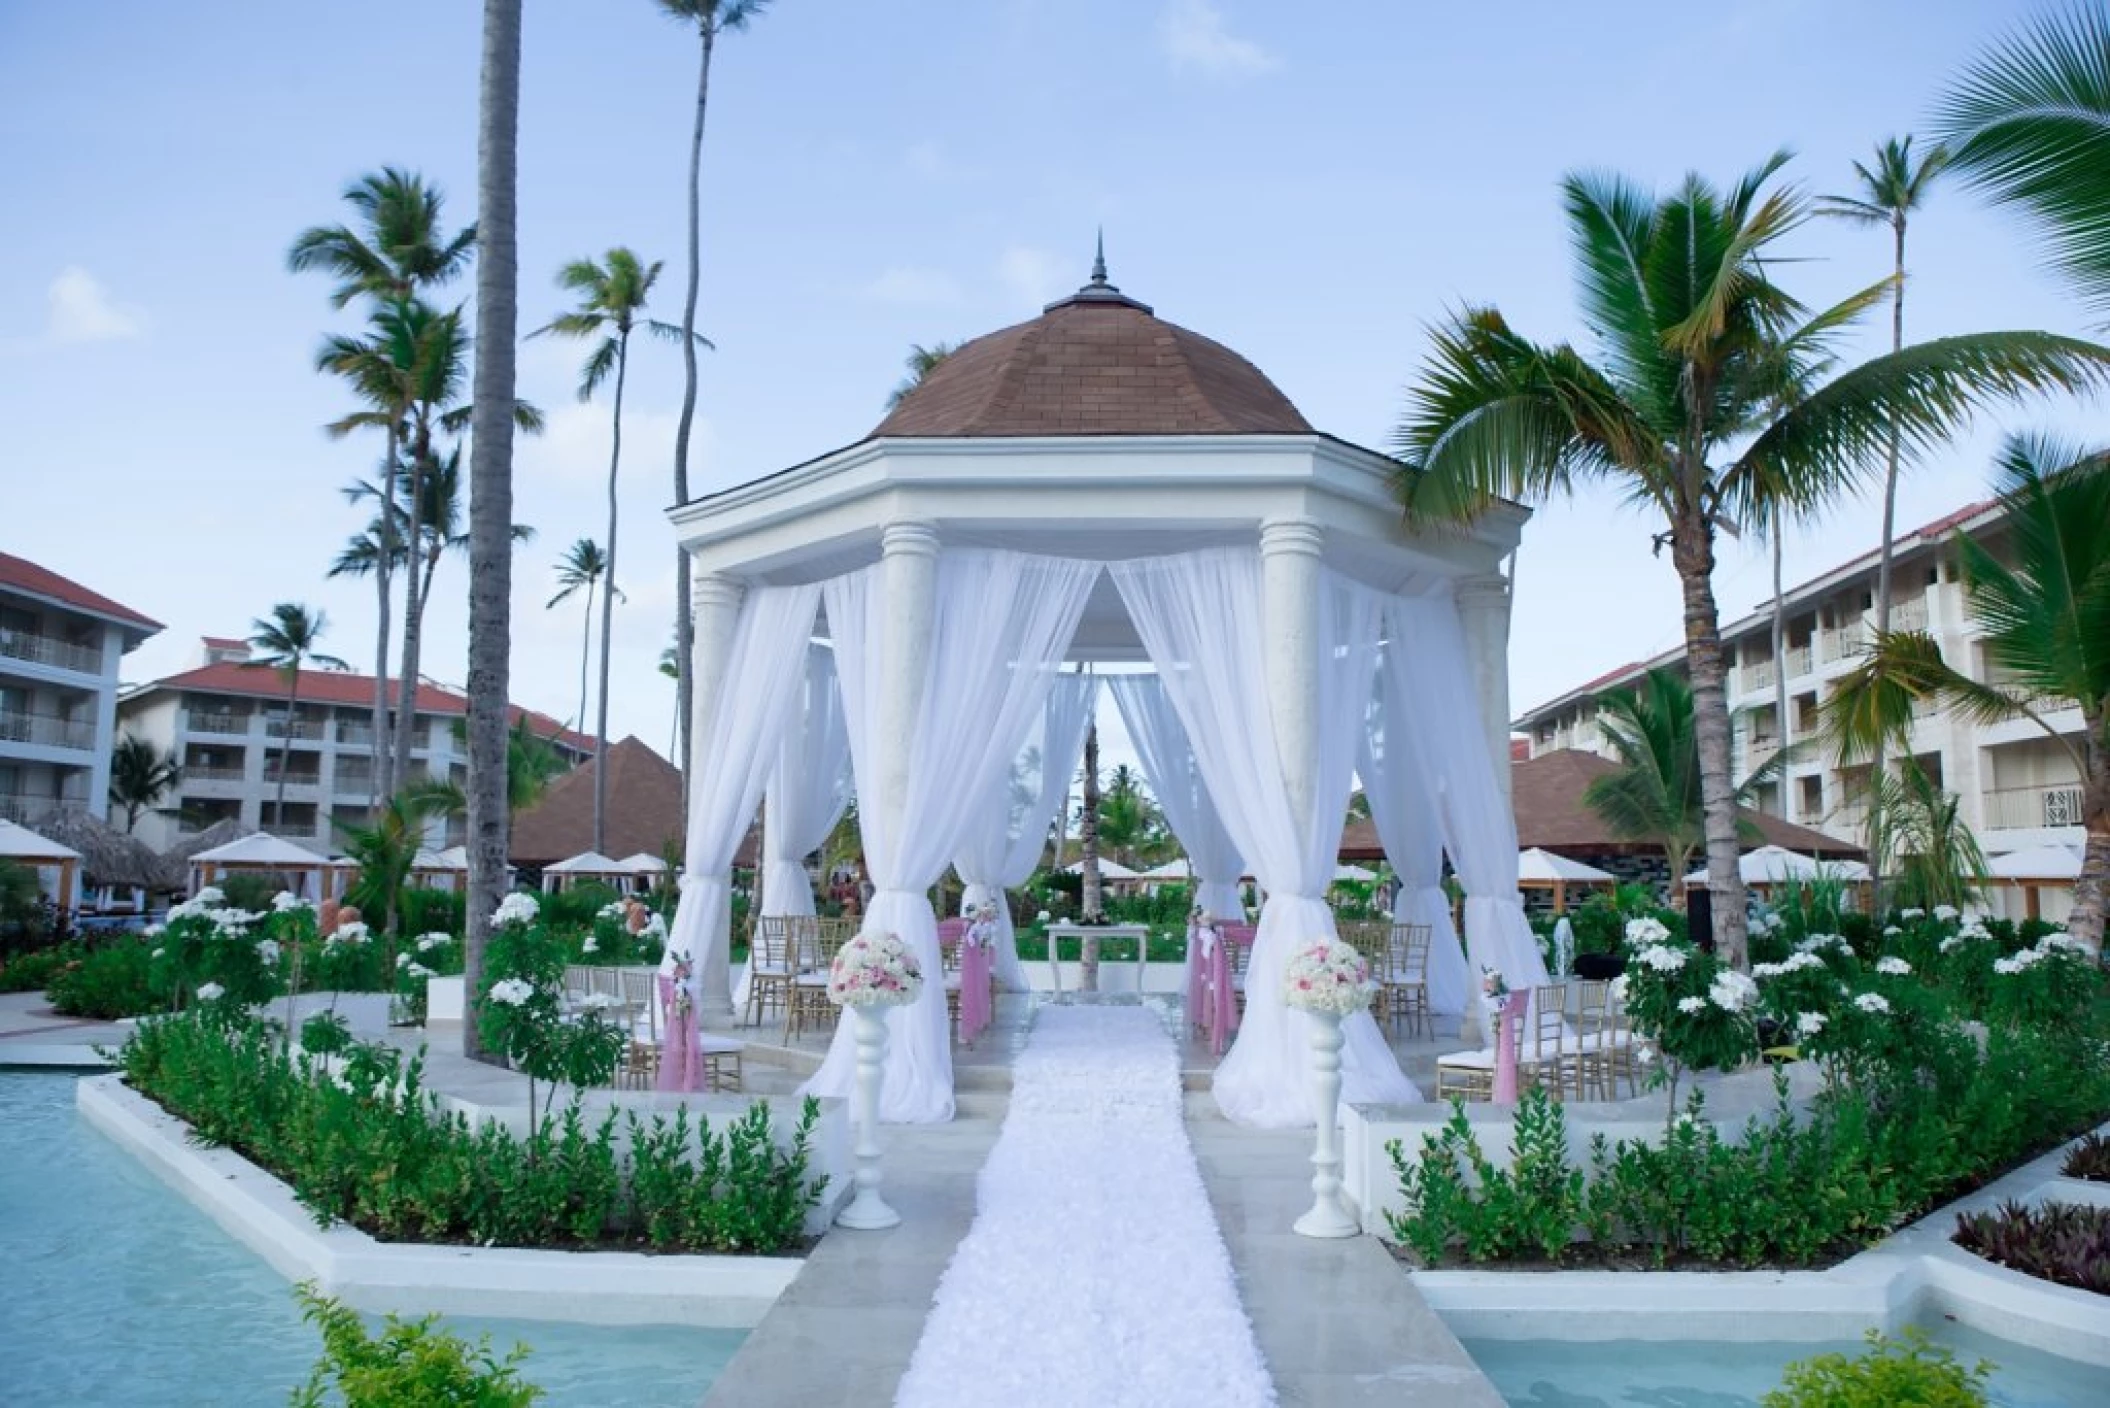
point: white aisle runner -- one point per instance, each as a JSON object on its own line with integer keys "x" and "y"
{"x": 1094, "y": 1274}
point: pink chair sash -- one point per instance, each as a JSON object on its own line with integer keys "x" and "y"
{"x": 681, "y": 1055}
{"x": 951, "y": 931}
{"x": 1507, "y": 1036}
{"x": 977, "y": 962}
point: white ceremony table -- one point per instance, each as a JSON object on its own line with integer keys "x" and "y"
{"x": 1065, "y": 930}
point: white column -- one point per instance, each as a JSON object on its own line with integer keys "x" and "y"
{"x": 1289, "y": 608}
{"x": 908, "y": 584}
{"x": 714, "y": 599}
{"x": 1483, "y": 609}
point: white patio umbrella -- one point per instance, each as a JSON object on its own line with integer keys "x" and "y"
{"x": 1776, "y": 865}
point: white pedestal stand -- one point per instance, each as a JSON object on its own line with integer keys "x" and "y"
{"x": 1327, "y": 1217}
{"x": 868, "y": 1211}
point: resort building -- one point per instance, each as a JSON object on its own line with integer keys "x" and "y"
{"x": 60, "y": 648}
{"x": 2018, "y": 789}
{"x": 227, "y": 723}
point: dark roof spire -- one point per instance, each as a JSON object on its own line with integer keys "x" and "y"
{"x": 1098, "y": 290}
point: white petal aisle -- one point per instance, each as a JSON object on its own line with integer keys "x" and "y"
{"x": 1094, "y": 1273}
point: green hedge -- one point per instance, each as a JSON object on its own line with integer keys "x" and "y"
{"x": 371, "y": 1147}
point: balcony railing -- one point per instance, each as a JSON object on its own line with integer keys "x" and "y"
{"x": 1908, "y": 615}
{"x": 1801, "y": 660}
{"x": 202, "y": 721}
{"x": 355, "y": 735}
{"x": 1758, "y": 675}
{"x": 292, "y": 728}
{"x": 50, "y": 650}
{"x": 202, "y": 772}
{"x": 351, "y": 784}
{"x": 47, "y": 730}
{"x": 2029, "y": 807}
{"x": 24, "y": 809}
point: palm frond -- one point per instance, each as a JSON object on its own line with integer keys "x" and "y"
{"x": 669, "y": 332}
{"x": 2029, "y": 125}
{"x": 599, "y": 364}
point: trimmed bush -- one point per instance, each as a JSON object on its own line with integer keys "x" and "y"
{"x": 1888, "y": 1374}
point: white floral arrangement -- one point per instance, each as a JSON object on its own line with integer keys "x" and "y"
{"x": 1495, "y": 988}
{"x": 874, "y": 970}
{"x": 516, "y": 908}
{"x": 1206, "y": 932}
{"x": 1327, "y": 976}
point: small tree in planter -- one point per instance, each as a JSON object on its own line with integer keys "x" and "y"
{"x": 1699, "y": 1012}
{"x": 209, "y": 951}
{"x": 521, "y": 1015}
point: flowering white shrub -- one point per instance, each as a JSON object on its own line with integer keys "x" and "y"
{"x": 1664, "y": 958}
{"x": 1645, "y": 931}
{"x": 512, "y": 992}
{"x": 874, "y": 970}
{"x": 516, "y": 908}
{"x": 1732, "y": 991}
{"x": 1327, "y": 975}
{"x": 428, "y": 942}
{"x": 210, "y": 992}
{"x": 286, "y": 900}
{"x": 1894, "y": 967}
{"x": 1809, "y": 1024}
{"x": 1873, "y": 1003}
{"x": 355, "y": 932}
{"x": 1692, "y": 1004}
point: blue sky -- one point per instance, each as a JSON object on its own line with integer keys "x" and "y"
{"x": 1309, "y": 184}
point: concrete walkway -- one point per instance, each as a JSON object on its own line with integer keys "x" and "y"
{"x": 31, "y": 1034}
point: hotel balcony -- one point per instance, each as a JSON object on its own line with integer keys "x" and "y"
{"x": 50, "y": 650}
{"x": 2029, "y": 808}
{"x": 1801, "y": 660}
{"x": 47, "y": 730}
{"x": 201, "y": 721}
{"x": 24, "y": 809}
{"x": 299, "y": 730}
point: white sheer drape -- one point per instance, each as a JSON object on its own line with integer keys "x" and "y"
{"x": 1005, "y": 846}
{"x": 1402, "y": 790}
{"x": 1168, "y": 761}
{"x": 1479, "y": 830}
{"x": 1002, "y": 622}
{"x": 1199, "y": 616}
{"x": 762, "y": 674}
{"x": 808, "y": 788}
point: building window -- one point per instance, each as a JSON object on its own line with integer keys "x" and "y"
{"x": 1811, "y": 798}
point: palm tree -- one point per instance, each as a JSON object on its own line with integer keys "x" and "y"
{"x": 921, "y": 362}
{"x": 1889, "y": 193}
{"x": 1126, "y": 815}
{"x": 1712, "y": 400}
{"x": 399, "y": 251}
{"x": 532, "y": 763}
{"x": 2029, "y": 125}
{"x": 387, "y": 851}
{"x": 285, "y": 642}
{"x": 491, "y": 481}
{"x": 1655, "y": 794}
{"x": 1919, "y": 836}
{"x": 611, "y": 298}
{"x": 582, "y": 567}
{"x": 711, "y": 18}
{"x": 2045, "y": 628}
{"x": 140, "y": 776}
{"x": 670, "y": 666}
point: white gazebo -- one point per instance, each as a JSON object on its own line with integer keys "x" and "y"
{"x": 587, "y": 865}
{"x": 1539, "y": 869}
{"x": 61, "y": 864}
{"x": 1770, "y": 866}
{"x": 2034, "y": 871}
{"x": 261, "y": 853}
{"x": 1098, "y": 486}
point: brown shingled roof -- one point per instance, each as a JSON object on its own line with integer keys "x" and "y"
{"x": 644, "y": 812}
{"x": 1096, "y": 363}
{"x": 1551, "y": 814}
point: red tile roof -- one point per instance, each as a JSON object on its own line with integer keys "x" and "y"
{"x": 227, "y": 642}
{"x": 25, "y": 576}
{"x": 345, "y": 688}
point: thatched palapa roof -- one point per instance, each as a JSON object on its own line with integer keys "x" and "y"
{"x": 112, "y": 857}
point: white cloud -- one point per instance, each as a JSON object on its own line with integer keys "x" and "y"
{"x": 1033, "y": 275}
{"x": 914, "y": 286}
{"x": 83, "y": 311}
{"x": 1193, "y": 36}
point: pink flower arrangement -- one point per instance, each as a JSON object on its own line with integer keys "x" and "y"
{"x": 1328, "y": 976}
{"x": 874, "y": 970}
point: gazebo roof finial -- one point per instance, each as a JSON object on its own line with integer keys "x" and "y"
{"x": 1098, "y": 292}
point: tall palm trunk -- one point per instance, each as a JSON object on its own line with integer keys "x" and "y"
{"x": 1092, "y": 901}
{"x": 1780, "y": 666}
{"x": 1692, "y": 552}
{"x": 1880, "y": 762}
{"x": 379, "y": 778}
{"x": 600, "y": 736}
{"x": 2091, "y": 889}
{"x": 285, "y": 744}
{"x": 586, "y": 655}
{"x": 491, "y": 481}
{"x": 683, "y": 682}
{"x": 413, "y": 610}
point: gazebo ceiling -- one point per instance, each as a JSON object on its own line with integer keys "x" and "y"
{"x": 1095, "y": 363}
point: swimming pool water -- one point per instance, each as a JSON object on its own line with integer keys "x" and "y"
{"x": 115, "y": 1291}
{"x": 1692, "y": 1374}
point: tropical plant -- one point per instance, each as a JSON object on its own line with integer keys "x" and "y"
{"x": 286, "y": 642}
{"x": 2029, "y": 125}
{"x": 140, "y": 776}
{"x": 1655, "y": 794}
{"x": 491, "y": 477}
{"x": 399, "y": 251}
{"x": 670, "y": 665}
{"x": 1712, "y": 399}
{"x": 1888, "y": 194}
{"x": 1920, "y": 839}
{"x": 921, "y": 362}
{"x": 387, "y": 850}
{"x": 612, "y": 296}
{"x": 581, "y": 569}
{"x": 2044, "y": 627}
{"x": 1911, "y": 1369}
{"x": 711, "y": 18}
{"x": 406, "y": 1361}
{"x": 1127, "y": 818}
{"x": 532, "y": 763}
